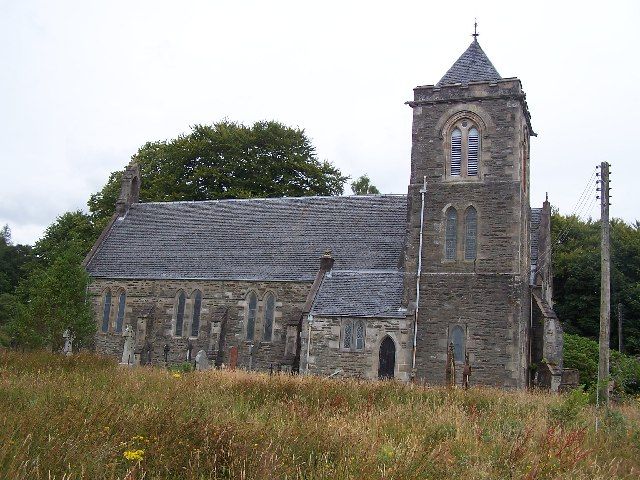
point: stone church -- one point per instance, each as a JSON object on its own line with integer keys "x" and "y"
{"x": 375, "y": 286}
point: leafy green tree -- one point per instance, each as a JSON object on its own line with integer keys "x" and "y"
{"x": 576, "y": 277}
{"x": 56, "y": 302}
{"x": 363, "y": 186}
{"x": 71, "y": 231}
{"x": 226, "y": 160}
{"x": 12, "y": 258}
{"x": 582, "y": 354}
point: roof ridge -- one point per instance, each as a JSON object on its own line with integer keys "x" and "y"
{"x": 274, "y": 199}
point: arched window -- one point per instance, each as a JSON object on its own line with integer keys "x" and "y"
{"x": 451, "y": 234}
{"x": 347, "y": 336}
{"x": 457, "y": 338}
{"x": 360, "y": 335}
{"x": 353, "y": 335}
{"x": 269, "y": 312}
{"x": 180, "y": 314}
{"x": 473, "y": 145}
{"x": 252, "y": 304}
{"x": 120, "y": 317}
{"x": 464, "y": 150}
{"x": 470, "y": 234}
{"x": 456, "y": 152}
{"x": 106, "y": 311}
{"x": 195, "y": 320}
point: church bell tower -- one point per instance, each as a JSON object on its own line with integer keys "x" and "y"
{"x": 468, "y": 206}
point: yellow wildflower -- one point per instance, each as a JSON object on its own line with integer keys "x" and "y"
{"x": 177, "y": 375}
{"x": 134, "y": 455}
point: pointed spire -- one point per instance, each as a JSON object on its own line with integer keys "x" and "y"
{"x": 472, "y": 66}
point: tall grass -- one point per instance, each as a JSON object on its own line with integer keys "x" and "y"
{"x": 85, "y": 417}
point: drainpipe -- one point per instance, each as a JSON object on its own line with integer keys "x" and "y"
{"x": 309, "y": 320}
{"x": 419, "y": 274}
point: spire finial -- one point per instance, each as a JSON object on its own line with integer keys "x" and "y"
{"x": 475, "y": 30}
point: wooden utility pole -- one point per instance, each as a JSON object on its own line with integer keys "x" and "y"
{"x": 605, "y": 286}
{"x": 620, "y": 345}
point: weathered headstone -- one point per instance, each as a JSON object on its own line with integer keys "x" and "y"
{"x": 189, "y": 349}
{"x": 129, "y": 345}
{"x": 68, "y": 342}
{"x": 466, "y": 372}
{"x": 202, "y": 362}
{"x": 450, "y": 372}
{"x": 233, "y": 358}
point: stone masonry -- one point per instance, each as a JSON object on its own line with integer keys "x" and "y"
{"x": 344, "y": 271}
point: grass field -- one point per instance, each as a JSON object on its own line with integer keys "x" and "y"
{"x": 85, "y": 417}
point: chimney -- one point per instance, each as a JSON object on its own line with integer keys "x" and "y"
{"x": 130, "y": 190}
{"x": 326, "y": 261}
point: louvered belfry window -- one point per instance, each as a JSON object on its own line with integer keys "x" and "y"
{"x": 180, "y": 314}
{"x": 470, "y": 233}
{"x": 197, "y": 307}
{"x": 464, "y": 154}
{"x": 473, "y": 145}
{"x": 451, "y": 234}
{"x": 456, "y": 152}
{"x": 251, "y": 315}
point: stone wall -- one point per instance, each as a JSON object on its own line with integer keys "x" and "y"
{"x": 489, "y": 296}
{"x": 326, "y": 355}
{"x": 152, "y": 305}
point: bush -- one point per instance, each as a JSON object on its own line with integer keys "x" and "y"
{"x": 582, "y": 354}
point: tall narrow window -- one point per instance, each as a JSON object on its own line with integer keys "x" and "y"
{"x": 180, "y": 314}
{"x": 470, "y": 234}
{"x": 457, "y": 338}
{"x": 197, "y": 306}
{"x": 106, "y": 311}
{"x": 252, "y": 304}
{"x": 269, "y": 311}
{"x": 348, "y": 334}
{"x": 473, "y": 145}
{"x": 456, "y": 152}
{"x": 451, "y": 234}
{"x": 360, "y": 335}
{"x": 120, "y": 317}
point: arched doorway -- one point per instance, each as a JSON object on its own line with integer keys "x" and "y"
{"x": 387, "y": 358}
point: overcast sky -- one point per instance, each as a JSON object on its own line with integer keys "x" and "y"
{"x": 84, "y": 84}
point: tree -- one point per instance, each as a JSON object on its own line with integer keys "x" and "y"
{"x": 576, "y": 277}
{"x": 71, "y": 231}
{"x": 56, "y": 302}
{"x": 12, "y": 259}
{"x": 363, "y": 186}
{"x": 226, "y": 160}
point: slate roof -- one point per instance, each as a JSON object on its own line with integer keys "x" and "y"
{"x": 472, "y": 66}
{"x": 278, "y": 239}
{"x": 372, "y": 293}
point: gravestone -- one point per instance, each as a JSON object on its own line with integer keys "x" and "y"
{"x": 202, "y": 362}
{"x": 466, "y": 372}
{"x": 129, "y": 345}
{"x": 68, "y": 342}
{"x": 233, "y": 358}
